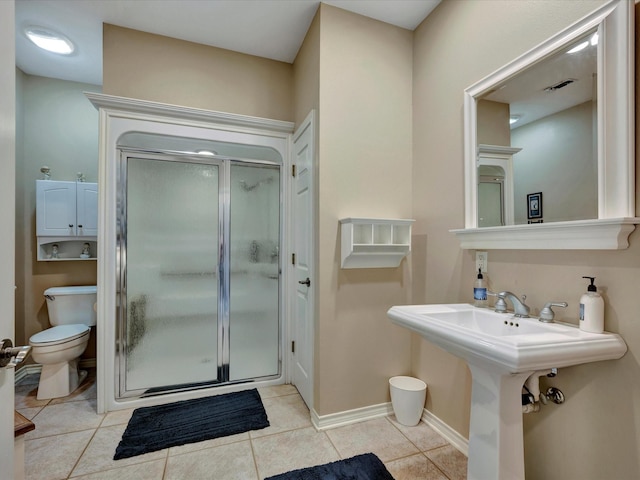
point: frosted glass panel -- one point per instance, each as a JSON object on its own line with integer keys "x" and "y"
{"x": 172, "y": 248}
{"x": 254, "y": 277}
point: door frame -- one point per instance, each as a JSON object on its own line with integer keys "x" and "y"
{"x": 120, "y": 115}
{"x": 7, "y": 217}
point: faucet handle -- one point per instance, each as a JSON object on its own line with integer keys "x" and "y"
{"x": 500, "y": 306}
{"x": 546, "y": 314}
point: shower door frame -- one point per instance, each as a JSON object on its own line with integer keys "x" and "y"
{"x": 225, "y": 165}
{"x": 121, "y": 115}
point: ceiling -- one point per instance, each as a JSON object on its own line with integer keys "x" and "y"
{"x": 271, "y": 29}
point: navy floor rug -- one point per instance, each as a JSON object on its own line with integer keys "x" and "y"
{"x": 361, "y": 467}
{"x": 154, "y": 428}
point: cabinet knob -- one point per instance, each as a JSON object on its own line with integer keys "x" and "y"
{"x": 79, "y": 226}
{"x": 70, "y": 225}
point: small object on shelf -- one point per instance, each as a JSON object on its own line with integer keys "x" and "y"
{"x": 85, "y": 251}
{"x": 46, "y": 172}
{"x": 374, "y": 242}
{"x": 54, "y": 250}
{"x": 80, "y": 177}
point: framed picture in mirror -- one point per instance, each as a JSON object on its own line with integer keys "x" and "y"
{"x": 534, "y": 206}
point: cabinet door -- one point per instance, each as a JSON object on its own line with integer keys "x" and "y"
{"x": 87, "y": 209}
{"x": 55, "y": 208}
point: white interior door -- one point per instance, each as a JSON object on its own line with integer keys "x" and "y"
{"x": 7, "y": 220}
{"x": 303, "y": 221}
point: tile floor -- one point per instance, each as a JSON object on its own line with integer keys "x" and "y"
{"x": 72, "y": 441}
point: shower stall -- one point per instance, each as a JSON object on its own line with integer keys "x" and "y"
{"x": 199, "y": 273}
{"x": 198, "y": 265}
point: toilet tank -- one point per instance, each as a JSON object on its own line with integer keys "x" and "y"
{"x": 71, "y": 305}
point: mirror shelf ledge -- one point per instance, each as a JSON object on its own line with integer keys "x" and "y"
{"x": 597, "y": 234}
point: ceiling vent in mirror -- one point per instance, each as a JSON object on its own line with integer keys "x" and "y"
{"x": 559, "y": 85}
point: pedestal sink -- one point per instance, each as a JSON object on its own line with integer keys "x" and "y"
{"x": 502, "y": 351}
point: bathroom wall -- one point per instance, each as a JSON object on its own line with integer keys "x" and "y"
{"x": 571, "y": 192}
{"x": 596, "y": 433}
{"x": 364, "y": 170}
{"x": 162, "y": 69}
{"x": 357, "y": 73}
{"x": 56, "y": 126}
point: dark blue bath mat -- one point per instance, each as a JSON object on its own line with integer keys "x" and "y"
{"x": 361, "y": 467}
{"x": 190, "y": 421}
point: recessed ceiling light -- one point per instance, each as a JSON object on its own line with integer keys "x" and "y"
{"x": 207, "y": 153}
{"x": 49, "y": 40}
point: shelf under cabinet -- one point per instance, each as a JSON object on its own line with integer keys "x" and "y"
{"x": 374, "y": 242}
{"x": 69, "y": 248}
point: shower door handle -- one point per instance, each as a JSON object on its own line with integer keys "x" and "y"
{"x": 306, "y": 282}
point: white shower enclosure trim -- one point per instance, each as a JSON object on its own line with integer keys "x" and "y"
{"x": 119, "y": 116}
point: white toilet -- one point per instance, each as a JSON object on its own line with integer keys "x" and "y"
{"x": 57, "y": 349}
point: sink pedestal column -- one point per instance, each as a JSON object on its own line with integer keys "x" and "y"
{"x": 496, "y": 444}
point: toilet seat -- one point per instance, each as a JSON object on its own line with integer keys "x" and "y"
{"x": 59, "y": 335}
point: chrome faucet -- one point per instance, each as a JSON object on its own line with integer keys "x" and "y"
{"x": 520, "y": 309}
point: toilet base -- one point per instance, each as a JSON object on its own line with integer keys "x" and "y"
{"x": 59, "y": 379}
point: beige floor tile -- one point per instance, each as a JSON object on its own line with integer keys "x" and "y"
{"x": 215, "y": 442}
{"x": 86, "y": 391}
{"x": 98, "y": 455}
{"x": 26, "y": 396}
{"x": 378, "y": 436}
{"x": 148, "y": 471}
{"x": 53, "y": 458}
{"x": 228, "y": 462}
{"x": 450, "y": 461}
{"x": 65, "y": 418}
{"x": 29, "y": 412}
{"x": 422, "y": 435}
{"x": 117, "y": 418}
{"x": 291, "y": 450}
{"x": 284, "y": 413}
{"x": 413, "y": 467}
{"x": 277, "y": 391}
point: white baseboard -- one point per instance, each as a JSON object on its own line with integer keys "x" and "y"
{"x": 448, "y": 433}
{"x": 349, "y": 417}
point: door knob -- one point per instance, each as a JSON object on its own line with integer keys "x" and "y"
{"x": 306, "y": 282}
{"x": 11, "y": 356}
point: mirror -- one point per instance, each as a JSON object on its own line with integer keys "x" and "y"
{"x": 549, "y": 159}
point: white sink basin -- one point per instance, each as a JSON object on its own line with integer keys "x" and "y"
{"x": 502, "y": 351}
{"x": 513, "y": 344}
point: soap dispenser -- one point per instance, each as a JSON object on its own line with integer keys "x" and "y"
{"x": 592, "y": 309}
{"x": 480, "y": 291}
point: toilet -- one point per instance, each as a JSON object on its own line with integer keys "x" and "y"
{"x": 58, "y": 349}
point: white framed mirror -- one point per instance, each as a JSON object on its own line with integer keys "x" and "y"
{"x": 584, "y": 101}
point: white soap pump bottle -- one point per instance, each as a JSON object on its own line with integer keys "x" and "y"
{"x": 592, "y": 309}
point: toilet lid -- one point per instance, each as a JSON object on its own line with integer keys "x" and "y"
{"x": 60, "y": 333}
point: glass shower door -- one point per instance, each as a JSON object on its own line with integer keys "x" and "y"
{"x": 171, "y": 278}
{"x": 254, "y": 283}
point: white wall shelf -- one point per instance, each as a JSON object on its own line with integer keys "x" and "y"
{"x": 68, "y": 248}
{"x": 374, "y": 242}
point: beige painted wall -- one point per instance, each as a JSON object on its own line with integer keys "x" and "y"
{"x": 596, "y": 433}
{"x": 162, "y": 69}
{"x": 56, "y": 126}
{"x": 364, "y": 170}
{"x": 493, "y": 123}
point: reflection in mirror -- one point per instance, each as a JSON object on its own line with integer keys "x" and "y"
{"x": 579, "y": 155}
{"x": 549, "y": 111}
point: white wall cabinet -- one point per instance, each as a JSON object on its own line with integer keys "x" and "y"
{"x": 67, "y": 216}
{"x": 374, "y": 242}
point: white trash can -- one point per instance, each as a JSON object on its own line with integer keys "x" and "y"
{"x": 407, "y": 398}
